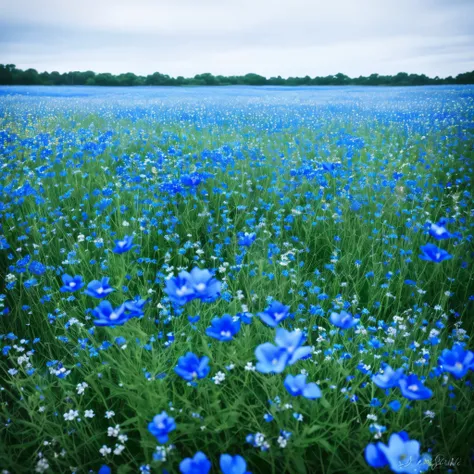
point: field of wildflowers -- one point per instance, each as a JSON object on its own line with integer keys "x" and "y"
{"x": 236, "y": 280}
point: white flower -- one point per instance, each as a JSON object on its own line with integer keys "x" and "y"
{"x": 71, "y": 415}
{"x": 111, "y": 431}
{"x": 109, "y": 414}
{"x": 282, "y": 442}
{"x": 81, "y": 387}
{"x": 119, "y": 448}
{"x": 218, "y": 378}
{"x": 42, "y": 465}
{"x": 249, "y": 366}
{"x": 104, "y": 450}
{"x": 123, "y": 438}
{"x": 89, "y": 414}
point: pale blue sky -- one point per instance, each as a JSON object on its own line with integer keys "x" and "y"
{"x": 269, "y": 37}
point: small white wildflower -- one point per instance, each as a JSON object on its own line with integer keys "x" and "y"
{"x": 41, "y": 466}
{"x": 81, "y": 387}
{"x": 249, "y": 366}
{"x": 89, "y": 414}
{"x": 282, "y": 442}
{"x": 71, "y": 415}
{"x": 118, "y": 449}
{"x": 104, "y": 450}
{"x": 109, "y": 414}
{"x": 219, "y": 378}
{"x": 113, "y": 431}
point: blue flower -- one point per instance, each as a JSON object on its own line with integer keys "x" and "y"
{"x": 71, "y": 283}
{"x": 99, "y": 289}
{"x": 104, "y": 469}
{"x": 439, "y": 231}
{"x": 233, "y": 464}
{"x": 296, "y": 385}
{"x": 292, "y": 342}
{"x": 199, "y": 464}
{"x": 271, "y": 358}
{"x": 395, "y": 405}
{"x": 205, "y": 286}
{"x": 456, "y": 361}
{"x": 124, "y": 245}
{"x": 223, "y": 329}
{"x": 246, "y": 240}
{"x": 135, "y": 307}
{"x": 401, "y": 454}
{"x": 274, "y": 314}
{"x": 389, "y": 378}
{"x": 36, "y": 268}
{"x": 343, "y": 320}
{"x": 3, "y": 243}
{"x": 190, "y": 367}
{"x": 188, "y": 286}
{"x": 287, "y": 351}
{"x": 180, "y": 288}
{"x": 413, "y": 389}
{"x": 161, "y": 426}
{"x": 431, "y": 253}
{"x": 106, "y": 315}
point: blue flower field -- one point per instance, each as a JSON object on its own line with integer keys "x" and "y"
{"x": 236, "y": 280}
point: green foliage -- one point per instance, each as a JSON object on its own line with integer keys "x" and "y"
{"x": 10, "y": 75}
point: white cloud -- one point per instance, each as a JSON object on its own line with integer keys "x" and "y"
{"x": 286, "y": 37}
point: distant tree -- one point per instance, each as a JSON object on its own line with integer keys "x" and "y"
{"x": 253, "y": 79}
{"x": 10, "y": 75}
{"x": 207, "y": 78}
{"x": 465, "y": 78}
{"x": 6, "y": 73}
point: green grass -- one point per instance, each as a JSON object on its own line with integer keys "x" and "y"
{"x": 385, "y": 235}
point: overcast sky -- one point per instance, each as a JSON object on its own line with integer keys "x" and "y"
{"x": 268, "y": 37}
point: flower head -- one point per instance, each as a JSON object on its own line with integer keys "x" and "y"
{"x": 292, "y": 342}
{"x": 106, "y": 315}
{"x": 199, "y": 464}
{"x": 124, "y": 245}
{"x": 233, "y": 464}
{"x": 274, "y": 314}
{"x": 246, "y": 239}
{"x": 431, "y": 253}
{"x": 401, "y": 454}
{"x": 180, "y": 288}
{"x": 70, "y": 283}
{"x": 343, "y": 320}
{"x": 296, "y": 385}
{"x": 413, "y": 389}
{"x": 389, "y": 378}
{"x": 99, "y": 289}
{"x": 271, "y": 358}
{"x": 161, "y": 426}
{"x": 439, "y": 231}
{"x": 205, "y": 286}
{"x": 190, "y": 367}
{"x": 135, "y": 307}
{"x": 223, "y": 329}
{"x": 457, "y": 361}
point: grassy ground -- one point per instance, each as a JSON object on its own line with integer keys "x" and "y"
{"x": 338, "y": 193}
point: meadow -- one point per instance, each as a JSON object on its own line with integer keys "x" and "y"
{"x": 236, "y": 280}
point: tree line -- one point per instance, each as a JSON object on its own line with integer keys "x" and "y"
{"x": 11, "y": 75}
